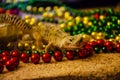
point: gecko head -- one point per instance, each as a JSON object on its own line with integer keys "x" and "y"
{"x": 73, "y": 41}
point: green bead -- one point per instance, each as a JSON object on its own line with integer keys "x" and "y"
{"x": 82, "y": 29}
{"x": 97, "y": 49}
{"x": 73, "y": 33}
{"x": 95, "y": 28}
{"x": 42, "y": 52}
{"x": 89, "y": 31}
{"x": 112, "y": 36}
{"x": 51, "y": 20}
{"x": 95, "y": 22}
{"x": 80, "y": 25}
{"x": 104, "y": 49}
{"x": 75, "y": 28}
{"x": 36, "y": 52}
{"x": 117, "y": 32}
{"x": 78, "y": 32}
{"x": 100, "y": 29}
{"x": 51, "y": 52}
{"x": 29, "y": 52}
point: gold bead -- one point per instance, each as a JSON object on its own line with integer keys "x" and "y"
{"x": 27, "y": 20}
{"x": 94, "y": 34}
{"x": 62, "y": 25}
{"x": 77, "y": 19}
{"x": 111, "y": 40}
{"x": 10, "y": 45}
{"x": 118, "y": 21}
{"x": 101, "y": 34}
{"x": 33, "y": 47}
{"x": 89, "y": 23}
{"x": 92, "y": 39}
{"x": 62, "y": 8}
{"x": 28, "y": 8}
{"x": 27, "y": 16}
{"x": 70, "y": 18}
{"x": 86, "y": 37}
{"x": 48, "y": 8}
{"x": 102, "y": 17}
{"x": 51, "y": 15}
{"x": 59, "y": 14}
{"x": 108, "y": 23}
{"x": 66, "y": 15}
{"x": 40, "y": 9}
{"x": 98, "y": 37}
{"x": 117, "y": 38}
{"x": 85, "y": 22}
{"x": 118, "y": 34}
{"x": 39, "y": 24}
{"x": 85, "y": 18}
{"x": 70, "y": 23}
{"x": 27, "y": 46}
{"x": 45, "y": 14}
{"x": 20, "y": 46}
{"x": 34, "y": 9}
{"x": 55, "y": 7}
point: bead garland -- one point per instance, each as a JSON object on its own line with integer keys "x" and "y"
{"x": 11, "y": 59}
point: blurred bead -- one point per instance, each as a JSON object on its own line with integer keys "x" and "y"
{"x": 27, "y": 16}
{"x": 66, "y": 14}
{"x": 27, "y": 46}
{"x": 112, "y": 40}
{"x": 108, "y": 23}
{"x": 118, "y": 21}
{"x": 92, "y": 39}
{"x": 99, "y": 37}
{"x": 96, "y": 16}
{"x": 40, "y": 9}
{"x": 100, "y": 42}
{"x": 86, "y": 18}
{"x": 33, "y": 47}
{"x": 70, "y": 18}
{"x": 62, "y": 8}
{"x": 51, "y": 15}
{"x": 10, "y": 45}
{"x": 34, "y": 9}
{"x": 39, "y": 24}
{"x": 118, "y": 47}
{"x": 85, "y": 22}
{"x": 102, "y": 17}
{"x": 70, "y": 23}
{"x": 117, "y": 38}
{"x": 62, "y": 25}
{"x": 77, "y": 19}
{"x": 29, "y": 8}
{"x": 94, "y": 34}
{"x": 27, "y": 20}
{"x": 48, "y": 8}
{"x": 59, "y": 14}
{"x": 109, "y": 45}
{"x": 101, "y": 34}
{"x": 89, "y": 23}
{"x": 55, "y": 7}
{"x": 86, "y": 37}
{"x": 20, "y": 46}
{"x": 45, "y": 14}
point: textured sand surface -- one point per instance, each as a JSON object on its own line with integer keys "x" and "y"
{"x": 96, "y": 67}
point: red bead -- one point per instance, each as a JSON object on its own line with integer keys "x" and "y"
{"x": 5, "y": 53}
{"x": 1, "y": 68}
{"x": 96, "y": 16}
{"x": 118, "y": 47}
{"x": 15, "y": 61}
{"x": 15, "y": 53}
{"x": 5, "y": 59}
{"x": 35, "y": 58}
{"x": 58, "y": 56}
{"x": 46, "y": 57}
{"x": 109, "y": 45}
{"x": 8, "y": 12}
{"x": 93, "y": 43}
{"x": 2, "y": 10}
{"x": 100, "y": 42}
{"x": 24, "y": 57}
{"x": 9, "y": 65}
{"x": 70, "y": 54}
{"x": 83, "y": 53}
{"x": 89, "y": 49}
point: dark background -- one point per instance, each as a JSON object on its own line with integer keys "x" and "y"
{"x": 90, "y": 3}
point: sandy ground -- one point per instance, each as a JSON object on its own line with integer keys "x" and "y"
{"x": 96, "y": 67}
